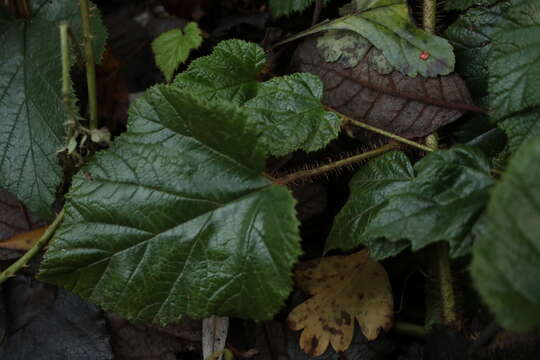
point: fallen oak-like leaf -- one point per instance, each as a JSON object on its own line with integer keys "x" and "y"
{"x": 345, "y": 288}
{"x": 25, "y": 240}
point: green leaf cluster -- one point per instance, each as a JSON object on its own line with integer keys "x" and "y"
{"x": 288, "y": 7}
{"x": 31, "y": 109}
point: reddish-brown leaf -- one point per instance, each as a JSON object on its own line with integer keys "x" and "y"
{"x": 410, "y": 107}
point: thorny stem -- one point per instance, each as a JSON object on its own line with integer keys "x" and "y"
{"x": 304, "y": 174}
{"x": 444, "y": 269}
{"x": 66, "y": 80}
{"x": 90, "y": 65}
{"x": 43, "y": 240}
{"x": 381, "y": 131}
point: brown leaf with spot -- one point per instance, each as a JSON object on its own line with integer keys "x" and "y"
{"x": 23, "y": 241}
{"x": 406, "y": 106}
{"x": 344, "y": 288}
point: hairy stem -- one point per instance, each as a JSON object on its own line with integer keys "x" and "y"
{"x": 429, "y": 18}
{"x": 374, "y": 129}
{"x": 90, "y": 65}
{"x": 444, "y": 271}
{"x": 43, "y": 240}
{"x": 304, "y": 174}
{"x": 66, "y": 80}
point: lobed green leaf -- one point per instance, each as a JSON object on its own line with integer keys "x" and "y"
{"x": 439, "y": 199}
{"x": 506, "y": 259}
{"x": 177, "y": 219}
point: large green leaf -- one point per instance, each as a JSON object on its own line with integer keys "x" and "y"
{"x": 177, "y": 219}
{"x": 506, "y": 259}
{"x": 287, "y": 7}
{"x": 31, "y": 110}
{"x": 289, "y": 113}
{"x": 514, "y": 61}
{"x": 439, "y": 199}
{"x": 471, "y": 36}
{"x": 389, "y": 27}
{"x": 172, "y": 48}
{"x": 230, "y": 72}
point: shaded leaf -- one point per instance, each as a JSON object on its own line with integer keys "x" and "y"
{"x": 30, "y": 104}
{"x": 287, "y": 7}
{"x": 471, "y": 35}
{"x": 49, "y": 323}
{"x": 439, "y": 199}
{"x": 229, "y": 73}
{"x": 14, "y": 219}
{"x": 172, "y": 48}
{"x": 465, "y": 4}
{"x": 513, "y": 61}
{"x": 288, "y": 112}
{"x": 506, "y": 259}
{"x": 387, "y": 25}
{"x": 521, "y": 127}
{"x": 410, "y": 107}
{"x": 178, "y": 220}
{"x": 344, "y": 288}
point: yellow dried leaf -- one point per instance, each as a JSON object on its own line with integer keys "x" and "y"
{"x": 25, "y": 240}
{"x": 344, "y": 288}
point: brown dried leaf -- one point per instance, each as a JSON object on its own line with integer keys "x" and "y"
{"x": 344, "y": 288}
{"x": 23, "y": 241}
{"x": 407, "y": 106}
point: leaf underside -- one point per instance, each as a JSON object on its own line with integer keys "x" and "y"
{"x": 507, "y": 257}
{"x": 439, "y": 199}
{"x": 178, "y": 220}
{"x": 31, "y": 109}
{"x": 409, "y": 107}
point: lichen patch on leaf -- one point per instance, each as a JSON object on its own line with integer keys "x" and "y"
{"x": 344, "y": 288}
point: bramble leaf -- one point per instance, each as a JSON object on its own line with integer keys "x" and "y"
{"x": 344, "y": 289}
{"x": 439, "y": 199}
{"x": 389, "y": 27}
{"x": 465, "y": 4}
{"x": 289, "y": 113}
{"x": 229, "y": 73}
{"x": 172, "y": 48}
{"x": 514, "y": 61}
{"x": 177, "y": 218}
{"x": 31, "y": 109}
{"x": 506, "y": 259}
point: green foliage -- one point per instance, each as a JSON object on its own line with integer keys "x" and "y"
{"x": 172, "y": 48}
{"x": 289, "y": 113}
{"x": 178, "y": 218}
{"x": 229, "y": 73}
{"x": 287, "y": 7}
{"x": 31, "y": 110}
{"x": 439, "y": 199}
{"x": 465, "y": 4}
{"x": 471, "y": 35}
{"x": 507, "y": 257}
{"x": 388, "y": 25}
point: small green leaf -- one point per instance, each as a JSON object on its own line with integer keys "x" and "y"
{"x": 287, "y": 7}
{"x": 31, "y": 110}
{"x": 389, "y": 27}
{"x": 177, "y": 218}
{"x": 289, "y": 113}
{"x": 172, "y": 48}
{"x": 229, "y": 73}
{"x": 514, "y": 61}
{"x": 439, "y": 199}
{"x": 506, "y": 259}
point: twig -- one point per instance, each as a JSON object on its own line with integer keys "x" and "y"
{"x": 446, "y": 286}
{"x": 43, "y": 240}
{"x": 411, "y": 329}
{"x": 304, "y": 174}
{"x": 90, "y": 65}
{"x": 316, "y": 12}
{"x": 380, "y": 131}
